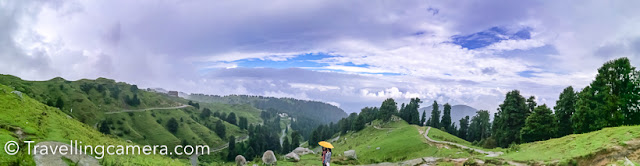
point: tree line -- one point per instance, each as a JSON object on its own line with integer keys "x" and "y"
{"x": 612, "y": 99}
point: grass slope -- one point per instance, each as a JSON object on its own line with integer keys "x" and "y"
{"x": 149, "y": 127}
{"x": 398, "y": 141}
{"x": 88, "y": 99}
{"x": 440, "y": 135}
{"x": 43, "y": 123}
{"x": 577, "y": 145}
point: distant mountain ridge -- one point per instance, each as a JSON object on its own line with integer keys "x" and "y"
{"x": 457, "y": 112}
{"x": 320, "y": 111}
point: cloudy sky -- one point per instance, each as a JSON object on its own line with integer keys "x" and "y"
{"x": 348, "y": 53}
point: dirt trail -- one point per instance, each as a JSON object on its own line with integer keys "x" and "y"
{"x": 55, "y": 157}
{"x": 148, "y": 109}
{"x": 284, "y": 134}
{"x": 194, "y": 157}
{"x": 488, "y": 153}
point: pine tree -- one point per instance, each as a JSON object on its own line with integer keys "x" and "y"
{"x": 104, "y": 128}
{"x": 435, "y": 116}
{"x": 446, "y": 118}
{"x": 479, "y": 128}
{"x": 231, "y": 155}
{"x": 220, "y": 129}
{"x": 243, "y": 124}
{"x": 564, "y": 109}
{"x": 423, "y": 119}
{"x": 510, "y": 119}
{"x": 172, "y": 125}
{"x": 413, "y": 116}
{"x": 206, "y": 112}
{"x": 286, "y": 146}
{"x": 388, "y": 108}
{"x": 464, "y": 127}
{"x": 541, "y": 125}
{"x": 232, "y": 118}
{"x": 295, "y": 139}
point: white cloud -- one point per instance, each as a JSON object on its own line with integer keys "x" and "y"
{"x": 192, "y": 45}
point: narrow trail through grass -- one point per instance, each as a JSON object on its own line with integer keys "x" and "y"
{"x": 488, "y": 153}
{"x": 148, "y": 109}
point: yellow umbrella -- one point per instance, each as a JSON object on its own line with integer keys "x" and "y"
{"x": 325, "y": 144}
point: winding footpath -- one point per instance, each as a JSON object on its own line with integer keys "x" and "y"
{"x": 488, "y": 153}
{"x": 148, "y": 109}
{"x": 53, "y": 157}
{"x": 194, "y": 157}
{"x": 284, "y": 134}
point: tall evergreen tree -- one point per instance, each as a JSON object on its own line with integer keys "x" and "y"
{"x": 446, "y": 118}
{"x": 409, "y": 112}
{"x": 424, "y": 117}
{"x": 104, "y": 127}
{"x": 286, "y": 146}
{"x": 232, "y": 118}
{"x": 531, "y": 104}
{"x": 243, "y": 123}
{"x": 565, "y": 107}
{"x": 359, "y": 123}
{"x": 435, "y": 115}
{"x": 388, "y": 108}
{"x": 295, "y": 139}
{"x": 510, "y": 119}
{"x": 231, "y": 155}
{"x": 479, "y": 128}
{"x": 541, "y": 125}
{"x": 220, "y": 129}
{"x": 172, "y": 125}
{"x": 206, "y": 112}
{"x": 464, "y": 127}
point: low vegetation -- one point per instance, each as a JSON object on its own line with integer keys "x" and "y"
{"x": 24, "y": 118}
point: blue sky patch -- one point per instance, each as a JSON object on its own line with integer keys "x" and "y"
{"x": 304, "y": 60}
{"x": 527, "y": 73}
{"x": 490, "y": 36}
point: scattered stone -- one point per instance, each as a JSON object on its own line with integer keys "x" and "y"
{"x": 56, "y": 158}
{"x": 292, "y": 157}
{"x": 269, "y": 158}
{"x": 303, "y": 151}
{"x": 378, "y": 148}
{"x": 240, "y": 160}
{"x": 412, "y": 162}
{"x": 350, "y": 154}
{"x": 18, "y": 93}
{"x": 627, "y": 162}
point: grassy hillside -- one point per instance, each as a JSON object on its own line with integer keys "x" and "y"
{"x": 39, "y": 122}
{"x": 95, "y": 102}
{"x": 440, "y": 135}
{"x": 323, "y": 112}
{"x": 398, "y": 141}
{"x": 87, "y": 100}
{"x": 149, "y": 127}
{"x": 582, "y": 147}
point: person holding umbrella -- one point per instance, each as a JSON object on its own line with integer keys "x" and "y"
{"x": 326, "y": 152}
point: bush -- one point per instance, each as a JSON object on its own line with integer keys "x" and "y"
{"x": 513, "y": 147}
{"x": 172, "y": 125}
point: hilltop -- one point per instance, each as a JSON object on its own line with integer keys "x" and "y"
{"x": 315, "y": 110}
{"x": 24, "y": 118}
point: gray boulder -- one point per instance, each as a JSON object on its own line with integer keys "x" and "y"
{"x": 303, "y": 151}
{"x": 292, "y": 157}
{"x": 350, "y": 154}
{"x": 269, "y": 158}
{"x": 240, "y": 160}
